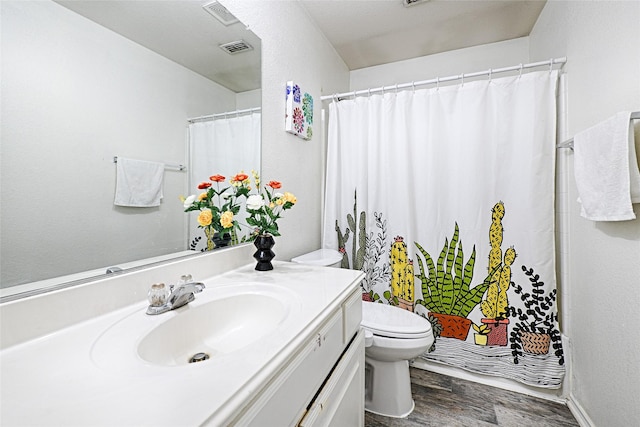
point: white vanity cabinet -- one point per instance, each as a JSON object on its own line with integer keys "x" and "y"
{"x": 323, "y": 383}
{"x": 305, "y": 367}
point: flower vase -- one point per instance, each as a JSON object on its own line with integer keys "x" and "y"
{"x": 210, "y": 233}
{"x": 264, "y": 254}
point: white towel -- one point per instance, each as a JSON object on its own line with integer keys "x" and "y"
{"x": 138, "y": 183}
{"x": 606, "y": 170}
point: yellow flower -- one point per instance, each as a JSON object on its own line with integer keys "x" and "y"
{"x": 205, "y": 217}
{"x": 272, "y": 205}
{"x": 280, "y": 201}
{"x": 202, "y": 196}
{"x": 289, "y": 197}
{"x": 226, "y": 219}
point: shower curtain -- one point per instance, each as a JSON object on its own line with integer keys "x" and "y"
{"x": 224, "y": 146}
{"x": 444, "y": 197}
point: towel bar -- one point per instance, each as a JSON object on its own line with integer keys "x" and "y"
{"x": 569, "y": 142}
{"x": 170, "y": 166}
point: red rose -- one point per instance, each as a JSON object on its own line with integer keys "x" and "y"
{"x": 204, "y": 185}
{"x": 274, "y": 184}
{"x": 217, "y": 178}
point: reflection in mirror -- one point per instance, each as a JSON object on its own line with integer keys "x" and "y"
{"x": 86, "y": 81}
{"x": 227, "y": 145}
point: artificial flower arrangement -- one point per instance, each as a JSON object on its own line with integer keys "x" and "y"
{"x": 218, "y": 206}
{"x": 265, "y": 208}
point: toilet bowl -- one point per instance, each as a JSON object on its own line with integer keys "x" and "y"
{"x": 397, "y": 337}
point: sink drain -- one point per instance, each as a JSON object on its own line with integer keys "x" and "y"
{"x": 198, "y": 357}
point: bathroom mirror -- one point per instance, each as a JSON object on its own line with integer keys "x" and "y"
{"x": 84, "y": 82}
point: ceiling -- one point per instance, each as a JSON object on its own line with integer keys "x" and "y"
{"x": 182, "y": 31}
{"x": 363, "y": 32}
{"x": 374, "y": 32}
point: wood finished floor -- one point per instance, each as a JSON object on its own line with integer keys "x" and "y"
{"x": 451, "y": 402}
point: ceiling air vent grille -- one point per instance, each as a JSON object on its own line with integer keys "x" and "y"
{"x": 407, "y": 3}
{"x": 220, "y": 13}
{"x": 236, "y": 47}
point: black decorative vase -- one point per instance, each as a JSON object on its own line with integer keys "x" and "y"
{"x": 264, "y": 254}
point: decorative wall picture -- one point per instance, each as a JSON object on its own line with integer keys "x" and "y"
{"x": 299, "y": 113}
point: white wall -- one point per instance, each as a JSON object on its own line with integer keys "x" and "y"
{"x": 601, "y": 41}
{"x": 455, "y": 62}
{"x": 293, "y": 49}
{"x": 74, "y": 95}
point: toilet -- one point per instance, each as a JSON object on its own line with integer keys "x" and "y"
{"x": 397, "y": 337}
{"x": 393, "y": 336}
{"x": 321, "y": 257}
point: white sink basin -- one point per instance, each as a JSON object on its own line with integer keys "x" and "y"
{"x": 215, "y": 328}
{"x": 222, "y": 321}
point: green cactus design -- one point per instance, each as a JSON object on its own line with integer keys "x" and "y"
{"x": 342, "y": 243}
{"x": 402, "y": 275}
{"x": 359, "y": 230}
{"x": 496, "y": 303}
{"x": 442, "y": 291}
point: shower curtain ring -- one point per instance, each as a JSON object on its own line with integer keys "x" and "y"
{"x": 520, "y": 75}
{"x": 396, "y": 87}
{"x": 490, "y": 72}
{"x": 413, "y": 87}
{"x": 369, "y": 92}
{"x": 462, "y": 80}
{"x": 437, "y": 83}
{"x": 550, "y": 65}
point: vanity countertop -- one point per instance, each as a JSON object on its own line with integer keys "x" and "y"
{"x": 57, "y": 379}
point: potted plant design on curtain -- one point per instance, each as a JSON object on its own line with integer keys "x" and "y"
{"x": 495, "y": 306}
{"x": 446, "y": 290}
{"x": 535, "y": 327}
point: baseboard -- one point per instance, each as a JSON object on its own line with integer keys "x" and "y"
{"x": 503, "y": 383}
{"x": 578, "y": 412}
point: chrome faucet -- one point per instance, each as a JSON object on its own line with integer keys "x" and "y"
{"x": 180, "y": 295}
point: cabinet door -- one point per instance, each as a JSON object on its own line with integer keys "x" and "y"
{"x": 341, "y": 399}
{"x": 285, "y": 399}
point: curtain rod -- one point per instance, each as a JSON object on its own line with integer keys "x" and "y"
{"x": 170, "y": 166}
{"x": 225, "y": 114}
{"x": 569, "y": 142}
{"x": 439, "y": 80}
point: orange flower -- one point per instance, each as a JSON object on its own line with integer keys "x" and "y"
{"x": 204, "y": 185}
{"x": 274, "y": 184}
{"x": 240, "y": 177}
{"x": 217, "y": 178}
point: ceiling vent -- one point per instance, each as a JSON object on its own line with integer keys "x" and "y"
{"x": 236, "y": 47}
{"x": 407, "y": 3}
{"x": 221, "y": 13}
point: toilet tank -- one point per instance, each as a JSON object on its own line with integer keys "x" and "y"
{"x": 322, "y": 257}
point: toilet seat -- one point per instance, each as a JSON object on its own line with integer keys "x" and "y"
{"x": 393, "y": 322}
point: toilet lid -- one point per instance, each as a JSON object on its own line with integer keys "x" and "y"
{"x": 323, "y": 257}
{"x": 389, "y": 321}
